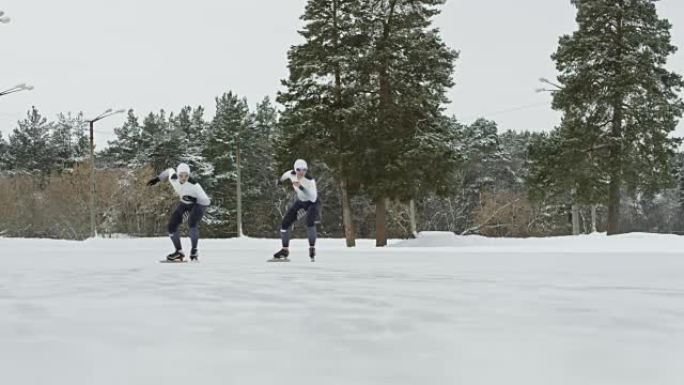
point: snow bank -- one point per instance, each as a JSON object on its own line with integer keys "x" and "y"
{"x": 624, "y": 243}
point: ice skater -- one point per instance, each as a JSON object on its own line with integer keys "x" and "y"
{"x": 305, "y": 204}
{"x": 193, "y": 202}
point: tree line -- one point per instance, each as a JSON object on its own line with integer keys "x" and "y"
{"x": 364, "y": 104}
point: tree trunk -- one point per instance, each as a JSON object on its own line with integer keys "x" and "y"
{"x": 613, "y": 206}
{"x": 412, "y": 218}
{"x": 575, "y": 213}
{"x": 615, "y": 162}
{"x": 349, "y": 232}
{"x": 381, "y": 222}
{"x": 575, "y": 219}
{"x": 384, "y": 123}
{"x": 615, "y": 155}
{"x": 593, "y": 218}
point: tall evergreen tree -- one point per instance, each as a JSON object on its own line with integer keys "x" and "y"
{"x": 615, "y": 89}
{"x": 259, "y": 166}
{"x": 484, "y": 165}
{"x": 125, "y": 148}
{"x": 183, "y": 122}
{"x": 514, "y": 145}
{"x": 232, "y": 119}
{"x": 153, "y": 128}
{"x": 191, "y": 132}
{"x": 162, "y": 142}
{"x": 322, "y": 97}
{"x": 564, "y": 169}
{"x": 29, "y": 144}
{"x": 81, "y": 137}
{"x": 68, "y": 140}
{"x": 410, "y": 70}
{"x": 4, "y": 154}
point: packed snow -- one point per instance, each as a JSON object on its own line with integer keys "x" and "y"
{"x": 439, "y": 309}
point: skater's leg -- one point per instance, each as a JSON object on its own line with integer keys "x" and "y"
{"x": 193, "y": 223}
{"x": 289, "y": 218}
{"x": 311, "y": 233}
{"x": 285, "y": 238}
{"x": 311, "y": 218}
{"x": 312, "y": 211}
{"x": 194, "y": 237}
{"x": 174, "y": 223}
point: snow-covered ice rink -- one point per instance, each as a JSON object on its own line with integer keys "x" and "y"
{"x": 436, "y": 310}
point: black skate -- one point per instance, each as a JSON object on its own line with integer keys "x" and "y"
{"x": 280, "y": 256}
{"x": 194, "y": 255}
{"x": 176, "y": 256}
{"x": 312, "y": 253}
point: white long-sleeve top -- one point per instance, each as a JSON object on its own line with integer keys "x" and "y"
{"x": 307, "y": 186}
{"x": 189, "y": 192}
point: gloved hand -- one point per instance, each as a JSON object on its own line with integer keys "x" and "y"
{"x": 153, "y": 181}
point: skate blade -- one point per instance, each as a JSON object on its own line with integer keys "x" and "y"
{"x": 278, "y": 260}
{"x": 167, "y": 261}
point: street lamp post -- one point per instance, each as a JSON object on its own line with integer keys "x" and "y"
{"x": 17, "y": 88}
{"x": 4, "y": 19}
{"x": 239, "y": 187}
{"x": 108, "y": 113}
{"x": 556, "y": 87}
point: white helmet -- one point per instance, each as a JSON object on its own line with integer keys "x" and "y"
{"x": 183, "y": 168}
{"x": 300, "y": 164}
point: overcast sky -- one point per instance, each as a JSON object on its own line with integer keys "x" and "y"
{"x": 89, "y": 55}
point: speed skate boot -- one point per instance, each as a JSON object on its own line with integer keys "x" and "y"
{"x": 176, "y": 256}
{"x": 280, "y": 256}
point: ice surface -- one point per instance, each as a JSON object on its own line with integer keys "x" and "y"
{"x": 574, "y": 310}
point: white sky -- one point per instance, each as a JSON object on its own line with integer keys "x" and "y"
{"x": 90, "y": 55}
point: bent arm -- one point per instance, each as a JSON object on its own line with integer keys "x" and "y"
{"x": 202, "y": 197}
{"x": 166, "y": 174}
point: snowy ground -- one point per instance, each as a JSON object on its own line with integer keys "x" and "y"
{"x": 437, "y": 310}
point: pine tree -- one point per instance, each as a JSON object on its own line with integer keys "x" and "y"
{"x": 125, "y": 148}
{"x": 68, "y": 140}
{"x": 615, "y": 89}
{"x": 514, "y": 145}
{"x": 564, "y": 171}
{"x": 679, "y": 160}
{"x": 410, "y": 68}
{"x": 483, "y": 161}
{"x": 322, "y": 97}
{"x": 29, "y": 144}
{"x": 365, "y": 93}
{"x": 232, "y": 118}
{"x": 259, "y": 169}
{"x": 484, "y": 167}
{"x": 161, "y": 142}
{"x": 192, "y": 130}
{"x": 81, "y": 138}
{"x": 4, "y": 154}
{"x": 183, "y": 122}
